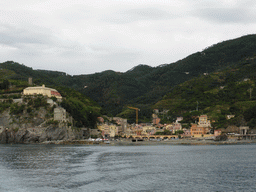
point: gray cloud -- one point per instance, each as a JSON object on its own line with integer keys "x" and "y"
{"x": 227, "y": 15}
{"x": 133, "y": 15}
{"x": 148, "y": 14}
{"x": 15, "y": 36}
{"x": 85, "y": 36}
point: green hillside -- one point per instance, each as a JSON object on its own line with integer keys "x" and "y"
{"x": 83, "y": 109}
{"x": 228, "y": 92}
{"x": 143, "y": 86}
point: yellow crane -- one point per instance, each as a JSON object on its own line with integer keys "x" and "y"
{"x": 137, "y": 113}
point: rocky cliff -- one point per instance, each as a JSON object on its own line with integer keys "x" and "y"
{"x": 29, "y": 122}
{"x": 41, "y": 135}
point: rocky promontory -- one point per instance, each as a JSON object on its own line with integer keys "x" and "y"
{"x": 40, "y": 135}
{"x": 37, "y": 119}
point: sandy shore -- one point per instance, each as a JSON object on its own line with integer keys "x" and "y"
{"x": 128, "y": 142}
{"x": 183, "y": 142}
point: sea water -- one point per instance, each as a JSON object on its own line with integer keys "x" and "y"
{"x": 127, "y": 168}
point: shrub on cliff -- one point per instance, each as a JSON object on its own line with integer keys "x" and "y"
{"x": 16, "y": 109}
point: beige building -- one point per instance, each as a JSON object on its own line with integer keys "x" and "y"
{"x": 147, "y": 130}
{"x": 110, "y": 130}
{"x": 60, "y": 114}
{"x": 42, "y": 90}
{"x": 203, "y": 121}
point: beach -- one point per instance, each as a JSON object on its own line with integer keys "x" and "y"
{"x": 124, "y": 142}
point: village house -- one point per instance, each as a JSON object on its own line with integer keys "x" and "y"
{"x": 217, "y": 132}
{"x": 244, "y": 130}
{"x": 174, "y": 127}
{"x": 60, "y": 114}
{"x": 108, "y": 130}
{"x": 122, "y": 125}
{"x": 230, "y": 116}
{"x": 179, "y": 119}
{"x": 187, "y": 133}
{"x": 203, "y": 121}
{"x": 148, "y": 130}
{"x": 198, "y": 131}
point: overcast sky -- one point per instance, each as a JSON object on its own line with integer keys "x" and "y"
{"x": 88, "y": 36}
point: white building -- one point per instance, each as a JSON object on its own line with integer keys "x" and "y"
{"x": 42, "y": 90}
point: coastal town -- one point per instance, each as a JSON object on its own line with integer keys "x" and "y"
{"x": 155, "y": 130}
{"x": 112, "y": 128}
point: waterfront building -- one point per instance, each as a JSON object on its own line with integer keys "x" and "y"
{"x": 174, "y": 127}
{"x": 148, "y": 130}
{"x": 187, "y": 133}
{"x": 122, "y": 124}
{"x": 197, "y": 130}
{"x": 244, "y": 130}
{"x": 217, "y": 132}
{"x": 108, "y": 130}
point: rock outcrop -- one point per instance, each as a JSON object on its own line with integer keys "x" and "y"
{"x": 24, "y": 122}
{"x": 41, "y": 135}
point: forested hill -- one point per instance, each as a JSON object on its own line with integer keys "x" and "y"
{"x": 143, "y": 85}
{"x": 231, "y": 91}
{"x": 12, "y": 82}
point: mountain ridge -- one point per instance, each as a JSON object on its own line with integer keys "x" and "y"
{"x": 143, "y": 85}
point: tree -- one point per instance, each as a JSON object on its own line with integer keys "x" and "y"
{"x": 178, "y": 132}
{"x": 5, "y": 84}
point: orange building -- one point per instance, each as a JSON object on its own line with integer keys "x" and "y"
{"x": 196, "y": 130}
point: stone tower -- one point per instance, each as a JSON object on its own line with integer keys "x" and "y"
{"x": 30, "y": 81}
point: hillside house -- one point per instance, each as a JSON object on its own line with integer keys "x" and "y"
{"x": 230, "y": 116}
{"x": 198, "y": 131}
{"x": 42, "y": 90}
{"x": 60, "y": 114}
{"x": 203, "y": 121}
{"x": 217, "y": 132}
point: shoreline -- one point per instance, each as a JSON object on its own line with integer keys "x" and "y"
{"x": 138, "y": 143}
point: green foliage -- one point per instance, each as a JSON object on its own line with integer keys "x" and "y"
{"x": 29, "y": 110}
{"x": 232, "y": 95}
{"x": 250, "y": 116}
{"x": 5, "y": 84}
{"x": 178, "y": 132}
{"x": 16, "y": 129}
{"x": 69, "y": 124}
{"x": 16, "y": 109}
{"x": 4, "y": 105}
{"x": 53, "y": 123}
{"x": 83, "y": 115}
{"x": 165, "y": 132}
{"x": 40, "y": 101}
{"x": 54, "y": 99}
{"x": 94, "y": 136}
